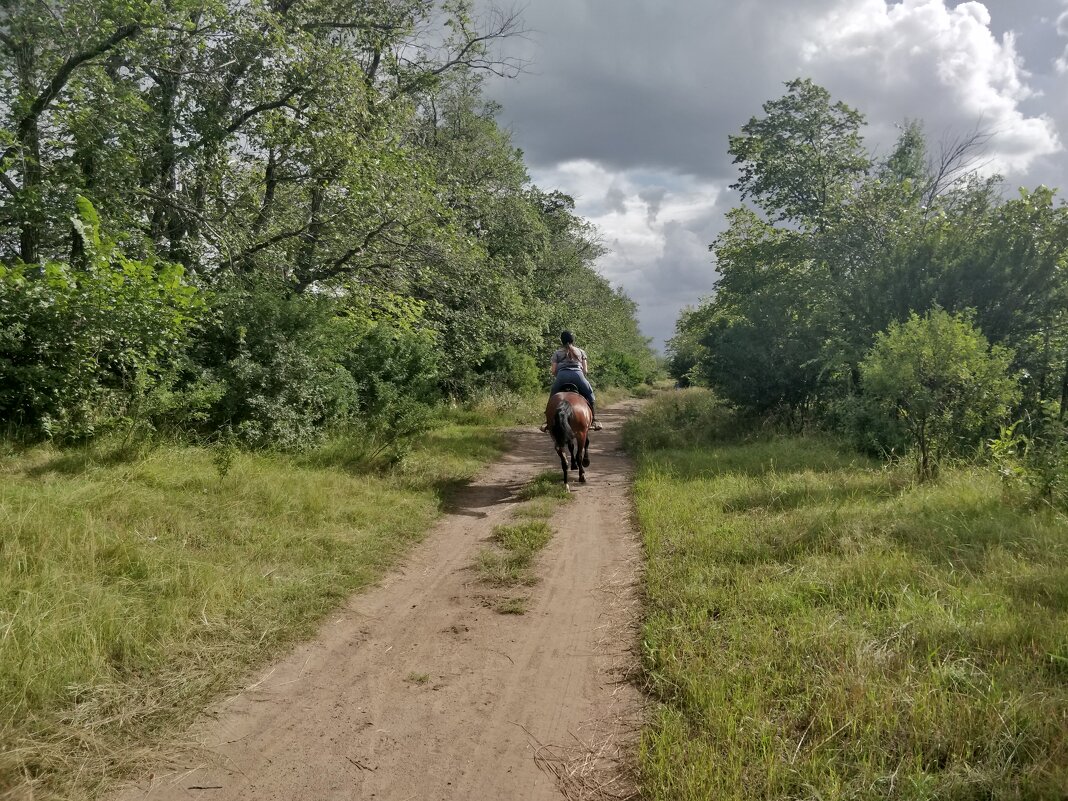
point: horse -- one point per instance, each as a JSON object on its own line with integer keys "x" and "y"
{"x": 569, "y": 418}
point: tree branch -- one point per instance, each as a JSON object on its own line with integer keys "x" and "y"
{"x": 507, "y": 25}
{"x": 262, "y": 107}
{"x": 9, "y": 185}
{"x": 59, "y": 80}
{"x": 274, "y": 240}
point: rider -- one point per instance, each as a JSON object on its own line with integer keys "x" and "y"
{"x": 569, "y": 366}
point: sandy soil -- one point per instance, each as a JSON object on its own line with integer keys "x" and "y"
{"x": 417, "y": 689}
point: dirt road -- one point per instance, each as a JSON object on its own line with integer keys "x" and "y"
{"x": 418, "y": 689}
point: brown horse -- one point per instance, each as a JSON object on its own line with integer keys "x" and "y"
{"x": 569, "y": 417}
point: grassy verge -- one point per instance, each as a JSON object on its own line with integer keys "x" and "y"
{"x": 137, "y": 586}
{"x": 820, "y": 627}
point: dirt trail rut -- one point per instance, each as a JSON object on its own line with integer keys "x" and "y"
{"x": 416, "y": 689}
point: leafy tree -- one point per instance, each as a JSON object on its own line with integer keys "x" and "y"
{"x": 764, "y": 329}
{"x": 941, "y": 377}
{"x": 799, "y": 161}
{"x": 686, "y": 355}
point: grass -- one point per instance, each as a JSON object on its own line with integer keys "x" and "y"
{"x": 136, "y": 585}
{"x": 511, "y": 562}
{"x": 545, "y": 486}
{"x": 417, "y": 678}
{"x": 819, "y": 626}
{"x": 512, "y": 606}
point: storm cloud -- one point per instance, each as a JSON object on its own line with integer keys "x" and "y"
{"x": 627, "y": 106}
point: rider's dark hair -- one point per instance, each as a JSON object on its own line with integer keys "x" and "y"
{"x": 568, "y": 341}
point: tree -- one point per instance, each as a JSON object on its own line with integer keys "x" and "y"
{"x": 328, "y": 175}
{"x": 939, "y": 375}
{"x": 799, "y": 161}
{"x": 39, "y": 60}
{"x": 765, "y": 324}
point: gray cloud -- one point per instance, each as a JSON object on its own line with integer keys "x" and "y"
{"x": 628, "y": 105}
{"x": 653, "y": 197}
{"x": 615, "y": 199}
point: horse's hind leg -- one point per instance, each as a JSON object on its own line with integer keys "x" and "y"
{"x": 563, "y": 465}
{"x": 574, "y": 457}
{"x": 583, "y": 445}
{"x": 586, "y": 452}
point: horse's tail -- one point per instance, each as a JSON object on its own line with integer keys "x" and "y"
{"x": 561, "y": 429}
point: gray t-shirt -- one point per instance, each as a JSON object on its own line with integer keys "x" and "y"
{"x": 565, "y": 362}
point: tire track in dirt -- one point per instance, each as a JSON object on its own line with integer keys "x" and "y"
{"x": 534, "y": 706}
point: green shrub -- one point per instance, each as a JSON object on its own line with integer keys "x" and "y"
{"x": 617, "y": 369}
{"x": 942, "y": 379}
{"x": 1032, "y": 455}
{"x": 511, "y": 370}
{"x": 864, "y": 423}
{"x": 81, "y": 343}
{"x": 292, "y": 367}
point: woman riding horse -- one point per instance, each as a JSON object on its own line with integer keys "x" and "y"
{"x": 569, "y": 365}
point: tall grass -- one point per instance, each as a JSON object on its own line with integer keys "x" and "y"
{"x": 135, "y": 586}
{"x": 821, "y": 627}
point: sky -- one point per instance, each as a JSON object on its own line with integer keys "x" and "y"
{"x": 627, "y": 105}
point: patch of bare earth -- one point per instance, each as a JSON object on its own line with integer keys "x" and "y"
{"x": 418, "y": 689}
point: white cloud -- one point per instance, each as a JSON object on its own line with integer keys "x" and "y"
{"x": 1061, "y": 64}
{"x": 657, "y": 230}
{"x": 945, "y": 60}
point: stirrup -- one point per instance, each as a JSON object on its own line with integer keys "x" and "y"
{"x": 596, "y": 426}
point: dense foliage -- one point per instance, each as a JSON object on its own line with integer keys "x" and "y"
{"x": 839, "y": 246}
{"x": 260, "y": 219}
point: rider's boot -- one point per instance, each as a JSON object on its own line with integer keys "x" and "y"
{"x": 594, "y": 426}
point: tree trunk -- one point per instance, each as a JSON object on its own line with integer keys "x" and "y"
{"x": 1064, "y": 390}
{"x": 30, "y": 149}
{"x": 306, "y": 266}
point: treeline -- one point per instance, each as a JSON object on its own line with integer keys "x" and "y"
{"x": 904, "y": 300}
{"x": 264, "y": 219}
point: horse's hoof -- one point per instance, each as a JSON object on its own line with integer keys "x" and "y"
{"x": 567, "y": 488}
{"x": 582, "y": 479}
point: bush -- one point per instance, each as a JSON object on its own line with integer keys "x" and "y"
{"x": 510, "y": 370}
{"x": 940, "y": 377}
{"x": 292, "y": 367}
{"x": 616, "y": 369}
{"x": 863, "y": 422}
{"x": 1032, "y": 455}
{"x": 82, "y": 343}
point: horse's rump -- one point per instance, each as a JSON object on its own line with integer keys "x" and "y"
{"x": 569, "y": 418}
{"x": 579, "y": 416}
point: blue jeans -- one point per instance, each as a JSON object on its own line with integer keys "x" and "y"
{"x": 576, "y": 377}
